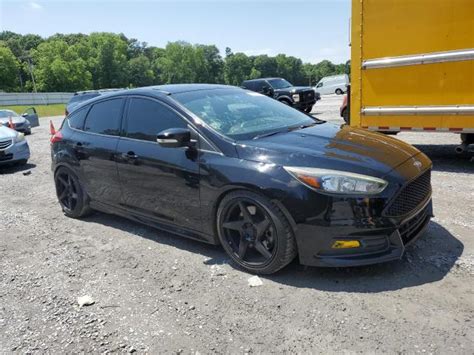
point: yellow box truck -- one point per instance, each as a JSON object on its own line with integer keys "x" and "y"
{"x": 412, "y": 66}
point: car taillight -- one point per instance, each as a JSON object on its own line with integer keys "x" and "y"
{"x": 56, "y": 137}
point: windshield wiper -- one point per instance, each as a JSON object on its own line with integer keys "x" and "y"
{"x": 270, "y": 133}
{"x": 294, "y": 128}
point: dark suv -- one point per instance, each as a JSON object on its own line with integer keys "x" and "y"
{"x": 301, "y": 97}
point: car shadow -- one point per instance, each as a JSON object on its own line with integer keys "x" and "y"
{"x": 16, "y": 168}
{"x": 428, "y": 260}
{"x": 446, "y": 159}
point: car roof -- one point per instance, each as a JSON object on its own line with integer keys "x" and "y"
{"x": 158, "y": 91}
{"x": 99, "y": 91}
{"x": 249, "y": 81}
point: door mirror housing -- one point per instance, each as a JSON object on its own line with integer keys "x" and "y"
{"x": 267, "y": 90}
{"x": 174, "y": 138}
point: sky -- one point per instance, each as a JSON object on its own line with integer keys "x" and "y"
{"x": 312, "y": 30}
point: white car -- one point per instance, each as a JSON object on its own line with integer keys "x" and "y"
{"x": 13, "y": 147}
{"x": 335, "y": 84}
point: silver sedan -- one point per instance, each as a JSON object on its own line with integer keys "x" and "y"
{"x": 13, "y": 147}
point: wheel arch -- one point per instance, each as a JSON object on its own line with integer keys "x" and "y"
{"x": 251, "y": 188}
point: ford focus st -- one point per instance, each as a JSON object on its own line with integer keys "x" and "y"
{"x": 233, "y": 167}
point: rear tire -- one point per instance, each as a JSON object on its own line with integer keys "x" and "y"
{"x": 71, "y": 195}
{"x": 345, "y": 116}
{"x": 255, "y": 233}
{"x": 339, "y": 92}
{"x": 308, "y": 109}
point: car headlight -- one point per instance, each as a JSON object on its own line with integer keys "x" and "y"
{"x": 296, "y": 97}
{"x": 20, "y": 137}
{"x": 336, "y": 181}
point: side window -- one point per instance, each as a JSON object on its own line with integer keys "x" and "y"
{"x": 104, "y": 117}
{"x": 260, "y": 85}
{"x": 76, "y": 119}
{"x": 146, "y": 118}
{"x": 320, "y": 85}
{"x": 250, "y": 85}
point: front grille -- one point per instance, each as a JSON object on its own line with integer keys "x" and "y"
{"x": 411, "y": 195}
{"x": 413, "y": 227}
{"x": 4, "y": 144}
{"x": 307, "y": 96}
{"x": 6, "y": 157}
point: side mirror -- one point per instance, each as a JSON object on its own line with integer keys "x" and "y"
{"x": 267, "y": 90}
{"x": 25, "y": 114}
{"x": 174, "y": 137}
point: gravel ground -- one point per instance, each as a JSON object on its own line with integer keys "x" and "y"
{"x": 155, "y": 292}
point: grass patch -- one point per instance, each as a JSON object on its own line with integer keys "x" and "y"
{"x": 43, "y": 110}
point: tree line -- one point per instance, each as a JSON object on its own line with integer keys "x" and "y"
{"x": 74, "y": 62}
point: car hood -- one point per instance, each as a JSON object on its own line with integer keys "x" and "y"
{"x": 6, "y": 133}
{"x": 295, "y": 89}
{"x": 330, "y": 146}
{"x": 15, "y": 120}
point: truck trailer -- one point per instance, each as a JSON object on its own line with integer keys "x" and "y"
{"x": 412, "y": 66}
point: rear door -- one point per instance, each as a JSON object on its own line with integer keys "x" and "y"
{"x": 162, "y": 183}
{"x": 95, "y": 147}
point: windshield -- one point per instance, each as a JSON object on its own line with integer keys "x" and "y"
{"x": 8, "y": 113}
{"x": 279, "y": 83}
{"x": 240, "y": 114}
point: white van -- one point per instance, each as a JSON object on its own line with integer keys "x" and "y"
{"x": 335, "y": 84}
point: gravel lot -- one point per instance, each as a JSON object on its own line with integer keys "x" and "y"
{"x": 155, "y": 292}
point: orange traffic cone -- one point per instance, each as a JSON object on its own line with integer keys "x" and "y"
{"x": 52, "y": 130}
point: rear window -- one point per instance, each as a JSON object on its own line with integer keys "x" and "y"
{"x": 105, "y": 117}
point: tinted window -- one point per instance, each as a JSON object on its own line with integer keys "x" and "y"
{"x": 76, "y": 119}
{"x": 249, "y": 85}
{"x": 147, "y": 118}
{"x": 104, "y": 117}
{"x": 259, "y": 85}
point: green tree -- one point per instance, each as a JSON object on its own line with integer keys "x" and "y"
{"x": 107, "y": 60}
{"x": 237, "y": 68}
{"x": 9, "y": 69}
{"x": 58, "y": 67}
{"x": 267, "y": 66}
{"x": 140, "y": 72}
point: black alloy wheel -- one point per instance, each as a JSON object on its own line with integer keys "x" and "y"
{"x": 70, "y": 194}
{"x": 255, "y": 233}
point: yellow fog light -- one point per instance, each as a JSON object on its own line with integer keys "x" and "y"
{"x": 345, "y": 244}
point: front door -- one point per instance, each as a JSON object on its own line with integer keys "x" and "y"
{"x": 162, "y": 183}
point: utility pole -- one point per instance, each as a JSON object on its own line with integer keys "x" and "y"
{"x": 30, "y": 67}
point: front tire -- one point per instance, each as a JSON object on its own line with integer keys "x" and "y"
{"x": 308, "y": 109}
{"x": 255, "y": 233}
{"x": 339, "y": 92}
{"x": 71, "y": 196}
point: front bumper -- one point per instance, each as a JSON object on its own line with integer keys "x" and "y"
{"x": 379, "y": 243}
{"x": 16, "y": 152}
{"x": 304, "y": 105}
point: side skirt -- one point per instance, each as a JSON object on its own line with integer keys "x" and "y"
{"x": 166, "y": 227}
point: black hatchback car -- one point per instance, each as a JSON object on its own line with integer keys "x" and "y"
{"x": 228, "y": 166}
